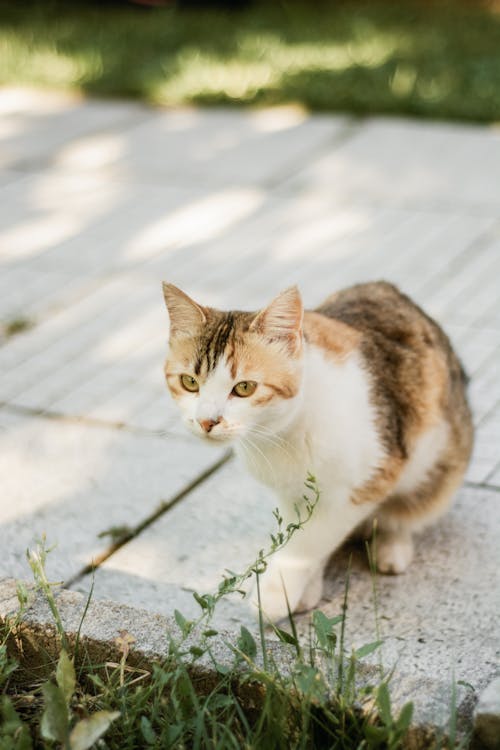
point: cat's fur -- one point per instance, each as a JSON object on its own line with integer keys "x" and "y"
{"x": 365, "y": 392}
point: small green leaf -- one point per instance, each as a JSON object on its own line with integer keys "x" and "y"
{"x": 210, "y": 633}
{"x": 310, "y": 681}
{"x": 55, "y": 720}
{"x": 22, "y": 594}
{"x": 405, "y": 717}
{"x": 376, "y": 736}
{"x": 9, "y": 719}
{"x": 202, "y": 600}
{"x": 173, "y": 733}
{"x": 7, "y": 665}
{"x": 147, "y": 730}
{"x": 384, "y": 704}
{"x": 88, "y": 731}
{"x": 196, "y": 651}
{"x": 286, "y": 637}
{"x": 65, "y": 676}
{"x": 246, "y": 643}
{"x": 185, "y": 626}
{"x": 221, "y": 701}
{"x": 14, "y": 735}
{"x": 222, "y": 669}
{"x": 323, "y": 627}
{"x": 368, "y": 648}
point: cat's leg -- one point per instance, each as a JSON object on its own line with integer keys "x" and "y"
{"x": 298, "y": 567}
{"x": 394, "y": 550}
{"x": 404, "y": 514}
{"x": 391, "y": 542}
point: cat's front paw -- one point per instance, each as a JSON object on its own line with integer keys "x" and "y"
{"x": 303, "y": 591}
{"x": 272, "y": 598}
{"x": 394, "y": 554}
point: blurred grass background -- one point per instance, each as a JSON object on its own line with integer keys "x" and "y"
{"x": 436, "y": 59}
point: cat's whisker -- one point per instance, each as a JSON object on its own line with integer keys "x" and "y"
{"x": 267, "y": 432}
{"x": 249, "y": 456}
{"x": 255, "y": 447}
{"x": 270, "y": 439}
{"x": 270, "y": 433}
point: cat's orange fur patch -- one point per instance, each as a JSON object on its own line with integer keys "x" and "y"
{"x": 260, "y": 361}
{"x": 334, "y": 337}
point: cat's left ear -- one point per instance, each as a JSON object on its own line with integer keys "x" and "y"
{"x": 282, "y": 320}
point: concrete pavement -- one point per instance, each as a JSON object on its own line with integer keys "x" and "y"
{"x": 101, "y": 201}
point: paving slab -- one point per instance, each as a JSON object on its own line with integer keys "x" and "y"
{"x": 212, "y": 147}
{"x": 80, "y": 222}
{"x": 36, "y": 124}
{"x": 73, "y": 481}
{"x": 439, "y": 621}
{"x": 221, "y": 525}
{"x": 407, "y": 162}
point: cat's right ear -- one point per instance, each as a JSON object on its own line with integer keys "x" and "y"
{"x": 282, "y": 320}
{"x": 186, "y": 316}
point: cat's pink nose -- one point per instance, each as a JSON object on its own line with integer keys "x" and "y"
{"x": 207, "y": 424}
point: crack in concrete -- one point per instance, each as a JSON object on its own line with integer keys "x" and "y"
{"x": 162, "y": 508}
{"x": 481, "y": 486}
{"x": 31, "y": 411}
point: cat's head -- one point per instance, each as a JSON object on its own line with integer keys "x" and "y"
{"x": 235, "y": 374}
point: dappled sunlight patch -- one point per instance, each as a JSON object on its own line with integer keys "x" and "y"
{"x": 276, "y": 119}
{"x": 34, "y": 445}
{"x": 92, "y": 151}
{"x": 302, "y": 239}
{"x": 31, "y": 237}
{"x": 58, "y": 209}
{"x": 146, "y": 325}
{"x": 21, "y": 101}
{"x": 81, "y": 195}
{"x": 199, "y": 221}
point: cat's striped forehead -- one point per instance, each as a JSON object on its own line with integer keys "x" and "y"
{"x": 226, "y": 347}
{"x": 219, "y": 340}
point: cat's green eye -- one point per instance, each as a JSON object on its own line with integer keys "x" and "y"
{"x": 189, "y": 383}
{"x": 245, "y": 388}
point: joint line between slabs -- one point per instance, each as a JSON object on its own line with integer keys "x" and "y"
{"x": 481, "y": 486}
{"x": 163, "y": 507}
{"x": 57, "y": 416}
{"x": 349, "y": 129}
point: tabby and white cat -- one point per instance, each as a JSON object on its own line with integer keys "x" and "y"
{"x": 365, "y": 392}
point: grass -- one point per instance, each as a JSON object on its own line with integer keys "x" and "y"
{"x": 312, "y": 698}
{"x": 430, "y": 58}
{"x": 313, "y": 702}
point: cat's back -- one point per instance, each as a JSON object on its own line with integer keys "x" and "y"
{"x": 417, "y": 379}
{"x": 391, "y": 327}
{"x": 379, "y": 308}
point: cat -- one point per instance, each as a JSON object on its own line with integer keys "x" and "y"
{"x": 365, "y": 392}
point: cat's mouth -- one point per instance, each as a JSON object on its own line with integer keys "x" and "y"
{"x": 217, "y": 434}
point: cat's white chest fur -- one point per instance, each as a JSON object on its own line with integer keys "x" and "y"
{"x": 332, "y": 436}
